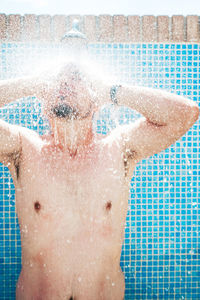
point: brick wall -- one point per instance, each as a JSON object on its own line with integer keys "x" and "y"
{"x": 102, "y": 28}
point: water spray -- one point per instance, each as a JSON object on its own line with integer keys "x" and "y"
{"x": 74, "y": 41}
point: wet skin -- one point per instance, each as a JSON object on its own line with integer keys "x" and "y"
{"x": 72, "y": 212}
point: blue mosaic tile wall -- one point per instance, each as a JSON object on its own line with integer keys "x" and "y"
{"x": 161, "y": 250}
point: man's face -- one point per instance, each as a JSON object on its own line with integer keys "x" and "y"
{"x": 69, "y": 96}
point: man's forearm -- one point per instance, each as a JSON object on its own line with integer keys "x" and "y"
{"x": 12, "y": 89}
{"x": 157, "y": 106}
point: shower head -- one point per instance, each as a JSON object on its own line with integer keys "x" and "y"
{"x": 74, "y": 32}
{"x": 74, "y": 40}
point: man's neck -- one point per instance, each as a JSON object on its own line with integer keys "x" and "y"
{"x": 74, "y": 137}
{"x": 74, "y": 144}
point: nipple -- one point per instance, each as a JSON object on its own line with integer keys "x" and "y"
{"x": 108, "y": 205}
{"x": 37, "y": 206}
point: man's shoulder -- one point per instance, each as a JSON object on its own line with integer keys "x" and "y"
{"x": 27, "y": 132}
{"x": 29, "y": 136}
{"x": 112, "y": 139}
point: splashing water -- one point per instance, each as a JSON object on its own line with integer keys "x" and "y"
{"x": 114, "y": 115}
{"x": 56, "y": 133}
{"x": 72, "y": 134}
{"x": 65, "y": 136}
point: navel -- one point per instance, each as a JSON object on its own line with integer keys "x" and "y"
{"x": 37, "y": 206}
{"x": 108, "y": 205}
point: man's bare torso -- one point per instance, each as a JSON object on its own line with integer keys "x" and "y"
{"x": 72, "y": 212}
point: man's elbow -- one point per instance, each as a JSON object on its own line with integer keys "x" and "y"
{"x": 186, "y": 118}
{"x": 194, "y": 113}
{"x": 190, "y": 116}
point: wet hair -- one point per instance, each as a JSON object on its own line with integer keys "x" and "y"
{"x": 73, "y": 70}
{"x": 70, "y": 70}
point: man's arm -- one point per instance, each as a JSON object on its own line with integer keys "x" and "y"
{"x": 10, "y": 90}
{"x": 167, "y": 117}
{"x": 16, "y": 88}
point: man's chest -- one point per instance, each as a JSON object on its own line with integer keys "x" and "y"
{"x": 86, "y": 182}
{"x": 72, "y": 193}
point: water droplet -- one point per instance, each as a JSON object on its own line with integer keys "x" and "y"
{"x": 44, "y": 265}
{"x": 113, "y": 284}
{"x": 79, "y": 279}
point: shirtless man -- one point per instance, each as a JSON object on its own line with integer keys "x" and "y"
{"x": 72, "y": 185}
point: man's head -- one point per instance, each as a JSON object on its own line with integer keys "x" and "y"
{"x": 70, "y": 100}
{"x": 69, "y": 95}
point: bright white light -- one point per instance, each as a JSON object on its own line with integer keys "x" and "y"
{"x": 125, "y": 7}
{"x": 36, "y": 3}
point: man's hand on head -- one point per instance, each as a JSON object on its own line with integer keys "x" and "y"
{"x": 102, "y": 92}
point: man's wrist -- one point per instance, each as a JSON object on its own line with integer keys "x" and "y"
{"x": 113, "y": 93}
